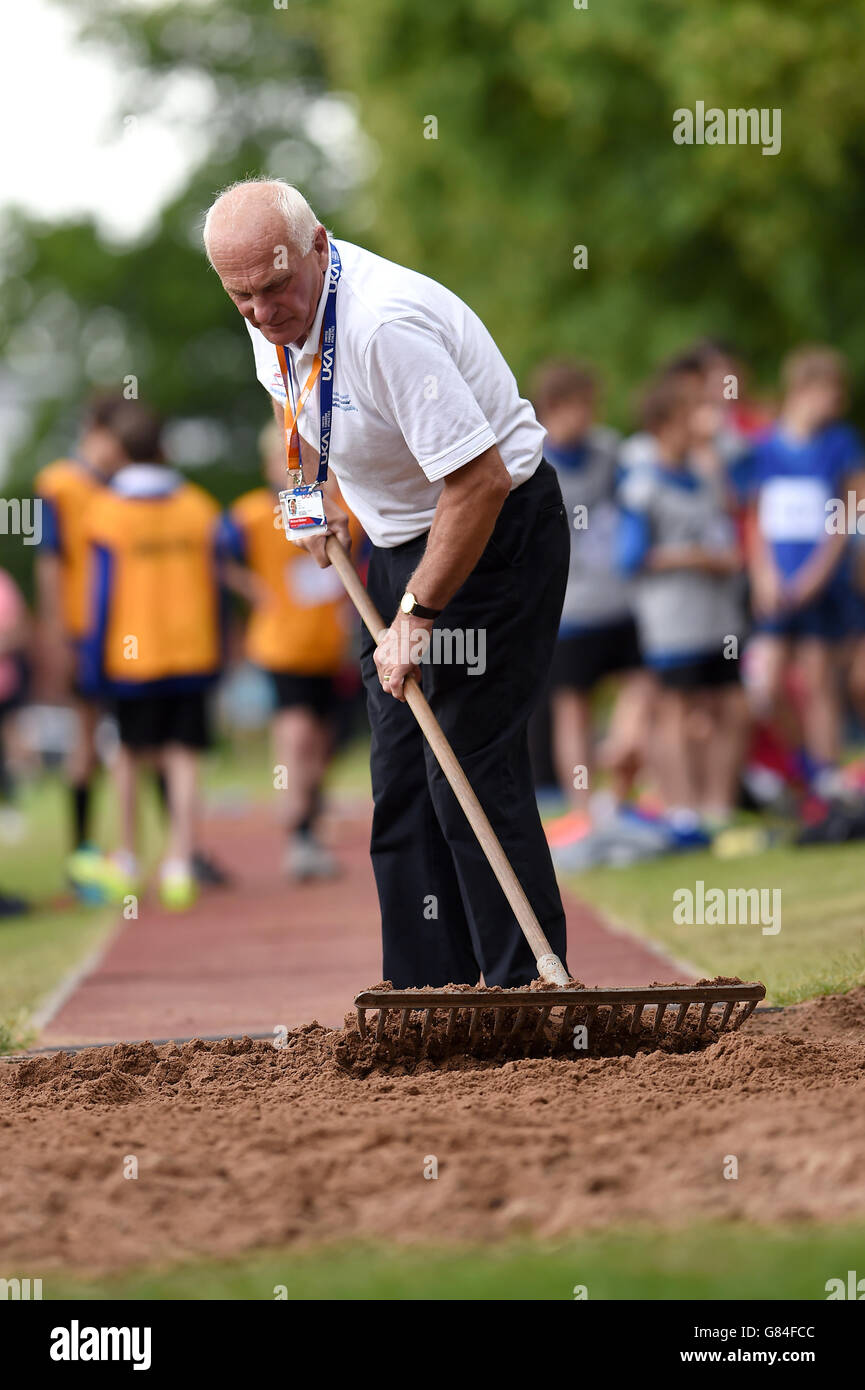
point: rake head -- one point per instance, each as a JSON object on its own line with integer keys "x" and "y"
{"x": 496, "y": 1023}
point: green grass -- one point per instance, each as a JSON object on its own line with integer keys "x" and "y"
{"x": 820, "y": 948}
{"x": 701, "y": 1262}
{"x": 39, "y": 950}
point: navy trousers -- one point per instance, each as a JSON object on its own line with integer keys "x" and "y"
{"x": 444, "y": 917}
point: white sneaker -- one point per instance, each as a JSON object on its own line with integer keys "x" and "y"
{"x": 306, "y": 859}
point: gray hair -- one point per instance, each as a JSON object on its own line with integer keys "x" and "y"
{"x": 287, "y": 201}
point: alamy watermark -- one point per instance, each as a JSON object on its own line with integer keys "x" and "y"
{"x": 717, "y": 907}
{"x": 444, "y": 646}
{"x": 845, "y": 516}
{"x": 732, "y": 127}
{"x": 21, "y": 516}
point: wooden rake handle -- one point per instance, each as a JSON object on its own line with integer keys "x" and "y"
{"x": 550, "y": 967}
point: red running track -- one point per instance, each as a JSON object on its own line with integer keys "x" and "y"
{"x": 265, "y": 953}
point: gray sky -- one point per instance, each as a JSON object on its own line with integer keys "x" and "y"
{"x": 64, "y": 151}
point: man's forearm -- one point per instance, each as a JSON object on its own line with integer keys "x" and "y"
{"x": 464, "y": 518}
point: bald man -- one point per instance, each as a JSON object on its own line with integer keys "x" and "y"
{"x": 419, "y": 418}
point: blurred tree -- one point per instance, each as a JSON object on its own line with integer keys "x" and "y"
{"x": 80, "y": 312}
{"x": 554, "y": 130}
{"x": 507, "y": 136}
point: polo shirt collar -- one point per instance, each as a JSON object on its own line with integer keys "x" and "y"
{"x": 310, "y": 347}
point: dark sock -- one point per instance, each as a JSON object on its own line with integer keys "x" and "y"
{"x": 314, "y": 811}
{"x": 80, "y": 814}
{"x": 162, "y": 789}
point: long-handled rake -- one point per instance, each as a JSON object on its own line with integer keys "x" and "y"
{"x": 536, "y": 1020}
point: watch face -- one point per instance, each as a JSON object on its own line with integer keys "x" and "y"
{"x": 407, "y": 603}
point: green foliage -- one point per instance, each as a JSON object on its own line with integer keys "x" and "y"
{"x": 78, "y": 313}
{"x": 555, "y": 129}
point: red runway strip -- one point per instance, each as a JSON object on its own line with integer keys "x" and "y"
{"x": 265, "y": 953}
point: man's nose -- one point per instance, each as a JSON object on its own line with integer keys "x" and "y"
{"x": 262, "y": 308}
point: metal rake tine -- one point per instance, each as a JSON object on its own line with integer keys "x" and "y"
{"x": 475, "y": 1023}
{"x": 615, "y": 1010}
{"x": 531, "y": 1033}
{"x": 427, "y": 1024}
{"x": 747, "y": 1010}
{"x": 704, "y": 1015}
{"x": 379, "y": 1027}
{"x": 567, "y": 1018}
{"x": 404, "y": 1016}
{"x": 660, "y": 1010}
{"x": 725, "y": 1016}
{"x": 541, "y": 1023}
{"x": 680, "y": 1017}
{"x": 361, "y": 1022}
{"x": 452, "y": 1023}
{"x": 514, "y": 1036}
{"x": 498, "y": 1024}
{"x": 591, "y": 1011}
{"x": 638, "y": 1015}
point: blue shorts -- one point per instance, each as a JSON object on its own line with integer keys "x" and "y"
{"x": 827, "y": 618}
{"x": 856, "y": 613}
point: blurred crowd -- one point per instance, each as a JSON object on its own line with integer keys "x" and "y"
{"x": 718, "y": 578}
{"x": 139, "y": 580}
{"x": 711, "y": 655}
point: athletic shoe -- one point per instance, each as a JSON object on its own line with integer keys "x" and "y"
{"x": 626, "y": 838}
{"x": 575, "y": 825}
{"x": 85, "y": 872}
{"x": 177, "y": 886}
{"x": 739, "y": 840}
{"x": 306, "y": 859}
{"x": 99, "y": 878}
{"x": 208, "y": 872}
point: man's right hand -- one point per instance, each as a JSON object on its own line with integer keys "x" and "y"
{"x": 337, "y": 525}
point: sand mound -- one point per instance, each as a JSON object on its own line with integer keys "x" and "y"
{"x": 241, "y": 1144}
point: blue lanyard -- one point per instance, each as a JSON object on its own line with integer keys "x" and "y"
{"x": 327, "y": 356}
{"x": 328, "y": 364}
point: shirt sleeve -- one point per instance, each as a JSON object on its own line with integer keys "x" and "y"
{"x": 50, "y": 538}
{"x": 230, "y": 540}
{"x": 633, "y": 542}
{"x": 634, "y": 531}
{"x": 415, "y": 384}
{"x": 851, "y": 455}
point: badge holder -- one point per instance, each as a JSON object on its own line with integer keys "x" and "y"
{"x": 302, "y": 510}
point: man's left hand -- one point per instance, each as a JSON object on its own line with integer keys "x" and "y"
{"x": 399, "y": 651}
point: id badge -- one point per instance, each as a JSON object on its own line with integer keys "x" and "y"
{"x": 303, "y": 511}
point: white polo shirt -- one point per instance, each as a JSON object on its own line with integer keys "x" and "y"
{"x": 420, "y": 389}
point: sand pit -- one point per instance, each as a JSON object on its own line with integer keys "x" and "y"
{"x": 242, "y": 1145}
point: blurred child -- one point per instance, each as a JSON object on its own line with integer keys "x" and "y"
{"x": 14, "y": 643}
{"x": 298, "y": 633}
{"x": 597, "y": 634}
{"x": 677, "y": 542}
{"x": 688, "y": 369}
{"x": 153, "y": 642}
{"x": 66, "y": 488}
{"x": 799, "y": 575}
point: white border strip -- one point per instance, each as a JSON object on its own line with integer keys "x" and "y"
{"x": 53, "y": 1003}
